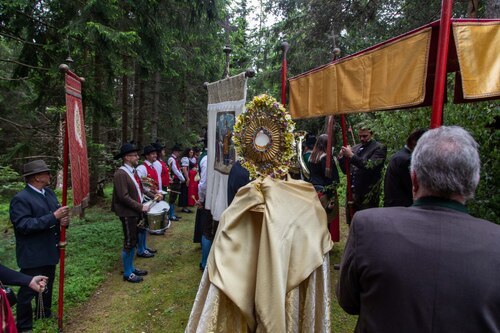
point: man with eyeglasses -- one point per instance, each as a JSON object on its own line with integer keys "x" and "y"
{"x": 127, "y": 205}
{"x": 366, "y": 163}
{"x": 37, "y": 218}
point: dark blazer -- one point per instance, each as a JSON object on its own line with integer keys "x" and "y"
{"x": 125, "y": 201}
{"x": 36, "y": 228}
{"x": 366, "y": 171}
{"x": 238, "y": 177}
{"x": 421, "y": 269}
{"x": 397, "y": 183}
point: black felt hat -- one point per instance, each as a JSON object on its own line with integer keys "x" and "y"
{"x": 158, "y": 146}
{"x": 176, "y": 148}
{"x": 34, "y": 167}
{"x": 148, "y": 150}
{"x": 126, "y": 148}
{"x": 310, "y": 141}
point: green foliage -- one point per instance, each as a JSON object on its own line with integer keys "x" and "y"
{"x": 9, "y": 182}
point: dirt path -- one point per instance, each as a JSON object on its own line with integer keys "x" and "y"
{"x": 161, "y": 303}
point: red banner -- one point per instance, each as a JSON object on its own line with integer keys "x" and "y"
{"x": 77, "y": 142}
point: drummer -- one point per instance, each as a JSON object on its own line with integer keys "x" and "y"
{"x": 151, "y": 182}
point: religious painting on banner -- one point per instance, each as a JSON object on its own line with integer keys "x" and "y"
{"x": 77, "y": 142}
{"x": 224, "y": 149}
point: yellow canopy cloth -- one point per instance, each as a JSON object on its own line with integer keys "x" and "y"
{"x": 478, "y": 50}
{"x": 271, "y": 238}
{"x": 388, "y": 76}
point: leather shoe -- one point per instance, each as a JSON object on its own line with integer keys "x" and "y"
{"x": 140, "y": 272}
{"x": 132, "y": 278}
{"x": 186, "y": 210}
{"x": 146, "y": 254}
{"x": 175, "y": 218}
{"x": 151, "y": 250}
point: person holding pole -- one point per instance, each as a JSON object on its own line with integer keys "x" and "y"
{"x": 367, "y": 161}
{"x": 37, "y": 218}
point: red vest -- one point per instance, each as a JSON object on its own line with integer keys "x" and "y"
{"x": 151, "y": 172}
{"x": 165, "y": 174}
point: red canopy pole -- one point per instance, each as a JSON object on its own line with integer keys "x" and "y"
{"x": 284, "y": 47}
{"x": 349, "y": 211}
{"x": 441, "y": 62}
{"x": 62, "y": 241}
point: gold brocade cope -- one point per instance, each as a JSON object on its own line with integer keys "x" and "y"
{"x": 307, "y": 307}
{"x": 257, "y": 258}
{"x": 388, "y": 76}
{"x": 478, "y": 50}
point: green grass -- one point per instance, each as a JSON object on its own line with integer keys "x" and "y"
{"x": 98, "y": 300}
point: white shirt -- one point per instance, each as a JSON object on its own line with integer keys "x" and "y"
{"x": 173, "y": 166}
{"x": 42, "y": 192}
{"x": 202, "y": 184}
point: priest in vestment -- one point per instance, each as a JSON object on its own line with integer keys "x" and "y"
{"x": 268, "y": 270}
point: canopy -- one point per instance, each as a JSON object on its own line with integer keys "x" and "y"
{"x": 399, "y": 73}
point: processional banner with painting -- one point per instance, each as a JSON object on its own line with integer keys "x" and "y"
{"x": 77, "y": 142}
{"x": 226, "y": 100}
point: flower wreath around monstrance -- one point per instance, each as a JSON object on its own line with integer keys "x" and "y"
{"x": 263, "y": 138}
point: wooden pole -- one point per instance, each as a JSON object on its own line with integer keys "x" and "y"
{"x": 441, "y": 62}
{"x": 345, "y": 142}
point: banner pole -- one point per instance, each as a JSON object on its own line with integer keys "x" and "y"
{"x": 441, "y": 62}
{"x": 284, "y": 47}
{"x": 62, "y": 241}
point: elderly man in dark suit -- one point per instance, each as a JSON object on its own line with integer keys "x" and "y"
{"x": 127, "y": 205}
{"x": 430, "y": 267}
{"x": 366, "y": 163}
{"x": 37, "y": 217}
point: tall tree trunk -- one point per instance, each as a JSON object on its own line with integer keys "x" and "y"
{"x": 492, "y": 8}
{"x": 156, "y": 107}
{"x": 136, "y": 103}
{"x": 124, "y": 108}
{"x": 99, "y": 77}
{"x": 141, "y": 114}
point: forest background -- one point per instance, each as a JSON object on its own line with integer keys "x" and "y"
{"x": 145, "y": 62}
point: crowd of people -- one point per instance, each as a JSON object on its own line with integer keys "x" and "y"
{"x": 419, "y": 264}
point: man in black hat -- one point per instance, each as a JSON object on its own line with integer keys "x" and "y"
{"x": 148, "y": 171}
{"x": 37, "y": 217}
{"x": 161, "y": 166}
{"x": 127, "y": 205}
{"x": 178, "y": 178}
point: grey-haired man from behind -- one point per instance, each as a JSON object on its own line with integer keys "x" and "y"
{"x": 430, "y": 267}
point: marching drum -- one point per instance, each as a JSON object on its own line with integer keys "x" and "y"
{"x": 157, "y": 218}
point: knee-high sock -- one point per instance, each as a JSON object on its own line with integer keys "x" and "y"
{"x": 171, "y": 212}
{"x": 141, "y": 241}
{"x": 206, "y": 244}
{"x": 127, "y": 258}
{"x": 131, "y": 259}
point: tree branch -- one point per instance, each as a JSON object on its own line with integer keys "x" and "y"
{"x": 25, "y": 65}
